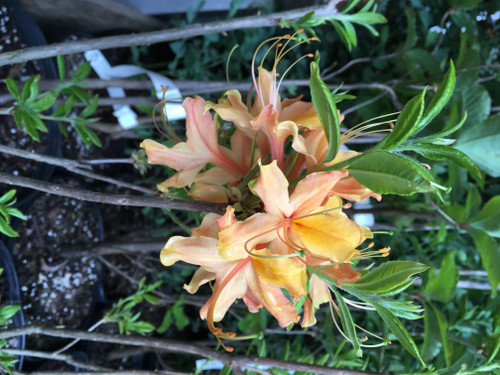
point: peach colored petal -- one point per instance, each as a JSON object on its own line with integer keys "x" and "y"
{"x": 233, "y": 110}
{"x": 302, "y": 113}
{"x": 343, "y": 273}
{"x": 227, "y": 219}
{"x": 227, "y": 291}
{"x": 178, "y": 180}
{"x": 200, "y": 277}
{"x": 318, "y": 291}
{"x": 351, "y": 189}
{"x": 281, "y": 272}
{"x": 266, "y": 92}
{"x": 272, "y": 188}
{"x": 308, "y": 317}
{"x": 331, "y": 235}
{"x": 312, "y": 190}
{"x": 258, "y": 229}
{"x": 208, "y": 227}
{"x": 201, "y": 251}
{"x": 289, "y": 128}
{"x": 273, "y": 299}
{"x": 180, "y": 157}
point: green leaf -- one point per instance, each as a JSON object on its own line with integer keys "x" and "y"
{"x": 81, "y": 72}
{"x": 411, "y": 30}
{"x": 348, "y": 323}
{"x": 481, "y": 142}
{"x": 61, "y": 68}
{"x": 6, "y": 229}
{"x": 7, "y": 312}
{"x": 386, "y": 173}
{"x": 44, "y": 103}
{"x": 399, "y": 330}
{"x": 442, "y": 286}
{"x": 90, "y": 109}
{"x": 406, "y": 124}
{"x": 424, "y": 59}
{"x": 488, "y": 219}
{"x": 443, "y": 330}
{"x": 30, "y": 89}
{"x": 13, "y": 88}
{"x": 432, "y": 337}
{"x": 441, "y": 97}
{"x": 490, "y": 257}
{"x": 30, "y": 126}
{"x": 327, "y": 112}
{"x": 438, "y": 152}
{"x": 7, "y": 197}
{"x": 388, "y": 276}
{"x": 166, "y": 322}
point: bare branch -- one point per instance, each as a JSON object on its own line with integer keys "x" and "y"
{"x": 140, "y": 39}
{"x": 115, "y": 199}
{"x": 73, "y": 166}
{"x": 172, "y": 346}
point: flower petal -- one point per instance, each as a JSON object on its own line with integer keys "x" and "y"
{"x": 351, "y": 189}
{"x": 200, "y": 277}
{"x": 272, "y": 188}
{"x": 312, "y": 190}
{"x": 281, "y": 272}
{"x": 273, "y": 299}
{"x": 201, "y": 251}
{"x": 233, "y": 110}
{"x": 235, "y": 240}
{"x": 302, "y": 113}
{"x": 331, "y": 235}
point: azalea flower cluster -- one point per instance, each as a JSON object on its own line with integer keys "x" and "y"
{"x": 284, "y": 216}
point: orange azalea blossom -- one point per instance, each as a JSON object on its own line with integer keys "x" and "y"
{"x": 269, "y": 118}
{"x": 200, "y": 148}
{"x": 234, "y": 278}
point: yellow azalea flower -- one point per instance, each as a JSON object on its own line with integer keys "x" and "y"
{"x": 299, "y": 227}
{"x": 234, "y": 278}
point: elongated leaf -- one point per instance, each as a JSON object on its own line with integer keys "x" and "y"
{"x": 438, "y": 152}
{"x": 13, "y": 88}
{"x": 480, "y": 143}
{"x": 387, "y": 173}
{"x": 81, "y": 72}
{"x": 490, "y": 257}
{"x": 432, "y": 337}
{"x": 7, "y": 197}
{"x": 406, "y": 123}
{"x": 61, "y": 69}
{"x": 488, "y": 219}
{"x": 348, "y": 323}
{"x": 399, "y": 330}
{"x": 44, "y": 103}
{"x": 442, "y": 287}
{"x": 443, "y": 330}
{"x": 388, "y": 276}
{"x": 327, "y": 112}
{"x": 441, "y": 97}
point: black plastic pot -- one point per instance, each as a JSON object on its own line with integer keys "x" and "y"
{"x": 31, "y": 35}
{"x": 13, "y": 294}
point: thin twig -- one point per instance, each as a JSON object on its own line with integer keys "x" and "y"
{"x": 149, "y": 38}
{"x": 357, "y": 61}
{"x": 363, "y": 104}
{"x": 124, "y": 372}
{"x": 76, "y": 341}
{"x": 178, "y": 347}
{"x": 395, "y": 212}
{"x": 58, "y": 357}
{"x": 114, "y": 199}
{"x": 72, "y": 166}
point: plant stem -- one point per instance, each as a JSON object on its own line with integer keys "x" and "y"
{"x": 115, "y": 199}
{"x": 54, "y": 356}
{"x": 173, "y": 346}
{"x": 72, "y": 166}
{"x": 149, "y": 38}
{"x": 76, "y": 341}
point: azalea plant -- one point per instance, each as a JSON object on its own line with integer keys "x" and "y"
{"x": 280, "y": 169}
